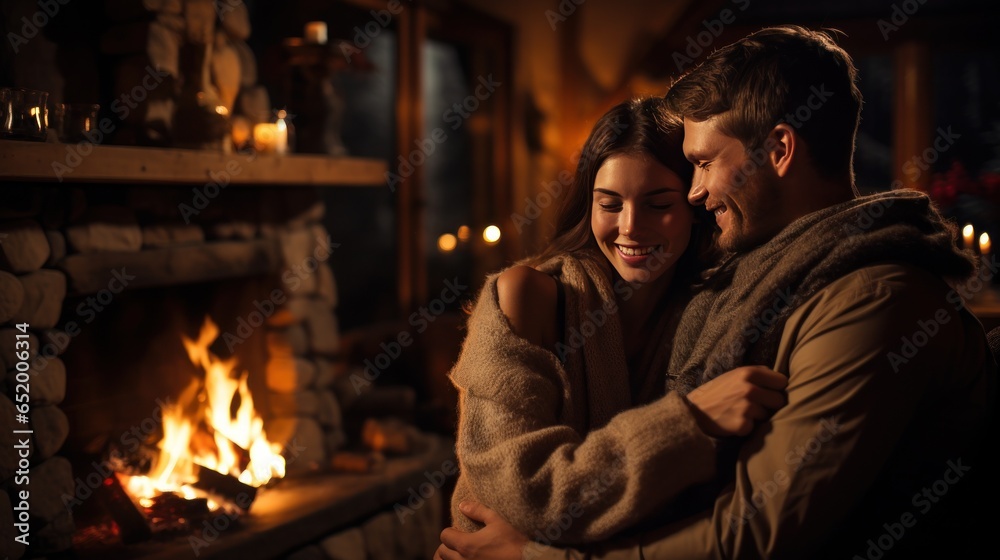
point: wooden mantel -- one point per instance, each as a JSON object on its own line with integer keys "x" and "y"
{"x": 87, "y": 163}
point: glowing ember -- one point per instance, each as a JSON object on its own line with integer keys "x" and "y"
{"x": 201, "y": 429}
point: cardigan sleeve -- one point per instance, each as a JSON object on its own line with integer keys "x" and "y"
{"x": 547, "y": 478}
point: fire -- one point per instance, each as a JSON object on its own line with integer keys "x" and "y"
{"x": 200, "y": 428}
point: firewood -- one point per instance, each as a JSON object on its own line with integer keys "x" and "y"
{"x": 131, "y": 523}
{"x": 226, "y": 486}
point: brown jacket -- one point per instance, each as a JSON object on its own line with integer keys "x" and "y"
{"x": 889, "y": 377}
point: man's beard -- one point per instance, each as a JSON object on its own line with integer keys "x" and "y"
{"x": 755, "y": 223}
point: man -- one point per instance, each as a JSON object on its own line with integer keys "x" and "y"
{"x": 890, "y": 377}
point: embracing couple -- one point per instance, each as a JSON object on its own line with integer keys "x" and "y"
{"x": 701, "y": 364}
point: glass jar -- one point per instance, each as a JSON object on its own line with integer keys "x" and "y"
{"x": 25, "y": 114}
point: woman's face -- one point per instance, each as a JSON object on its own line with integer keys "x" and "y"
{"x": 640, "y": 216}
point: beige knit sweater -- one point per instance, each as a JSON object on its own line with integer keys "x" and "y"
{"x": 557, "y": 449}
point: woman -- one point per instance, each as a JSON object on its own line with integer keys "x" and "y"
{"x": 562, "y": 427}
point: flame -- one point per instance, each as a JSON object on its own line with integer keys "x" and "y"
{"x": 200, "y": 429}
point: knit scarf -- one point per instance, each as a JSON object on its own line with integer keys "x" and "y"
{"x": 738, "y": 315}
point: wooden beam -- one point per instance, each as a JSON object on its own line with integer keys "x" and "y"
{"x": 88, "y": 163}
{"x": 412, "y": 283}
{"x": 912, "y": 113}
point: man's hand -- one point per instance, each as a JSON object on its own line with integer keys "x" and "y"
{"x": 730, "y": 404}
{"x": 496, "y": 541}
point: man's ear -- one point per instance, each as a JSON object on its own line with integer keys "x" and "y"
{"x": 782, "y": 146}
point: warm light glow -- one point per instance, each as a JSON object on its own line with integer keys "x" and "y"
{"x": 984, "y": 244}
{"x": 199, "y": 428}
{"x": 281, "y": 146}
{"x": 491, "y": 234}
{"x": 221, "y": 109}
{"x": 271, "y": 138}
{"x": 447, "y": 242}
{"x": 968, "y": 235}
{"x": 464, "y": 233}
{"x": 315, "y": 33}
{"x": 241, "y": 132}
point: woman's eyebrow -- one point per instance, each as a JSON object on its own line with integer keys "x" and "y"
{"x": 607, "y": 192}
{"x": 650, "y": 193}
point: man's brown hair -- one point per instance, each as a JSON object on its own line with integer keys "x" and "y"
{"x": 786, "y": 74}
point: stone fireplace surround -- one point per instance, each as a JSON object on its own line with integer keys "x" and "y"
{"x": 81, "y": 260}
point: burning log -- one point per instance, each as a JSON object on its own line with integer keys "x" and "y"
{"x": 228, "y": 487}
{"x": 359, "y": 463}
{"x": 131, "y": 523}
{"x": 171, "y": 505}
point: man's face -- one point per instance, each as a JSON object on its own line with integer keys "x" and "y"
{"x": 743, "y": 195}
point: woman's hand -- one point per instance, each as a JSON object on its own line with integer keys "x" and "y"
{"x": 498, "y": 540}
{"x": 730, "y": 404}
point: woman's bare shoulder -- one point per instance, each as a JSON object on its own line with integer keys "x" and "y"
{"x": 529, "y": 299}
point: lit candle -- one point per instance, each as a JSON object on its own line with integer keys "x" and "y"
{"x": 316, "y": 33}
{"x": 265, "y": 138}
{"x": 968, "y": 236}
{"x": 984, "y": 244}
{"x": 281, "y": 136}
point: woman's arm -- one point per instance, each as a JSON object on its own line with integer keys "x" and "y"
{"x": 527, "y": 298}
{"x": 517, "y": 455}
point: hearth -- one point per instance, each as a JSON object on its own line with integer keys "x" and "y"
{"x": 189, "y": 395}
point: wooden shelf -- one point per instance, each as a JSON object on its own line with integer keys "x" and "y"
{"x": 53, "y": 162}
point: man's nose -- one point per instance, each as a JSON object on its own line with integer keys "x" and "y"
{"x": 697, "y": 195}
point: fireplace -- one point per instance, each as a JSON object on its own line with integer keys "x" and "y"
{"x": 220, "y": 334}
